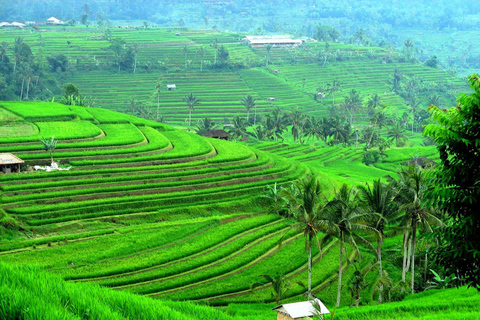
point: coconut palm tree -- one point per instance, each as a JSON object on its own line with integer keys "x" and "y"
{"x": 297, "y": 121}
{"x": 378, "y": 200}
{"x": 201, "y": 53}
{"x": 249, "y": 102}
{"x": 280, "y": 285}
{"x": 214, "y": 45}
{"x": 191, "y": 102}
{"x": 397, "y": 133}
{"x": 268, "y": 54}
{"x": 305, "y": 199}
{"x": 238, "y": 127}
{"x": 333, "y": 88}
{"x": 346, "y": 222}
{"x": 185, "y": 52}
{"x": 410, "y": 194}
{"x": 158, "y": 89}
{"x": 205, "y": 125}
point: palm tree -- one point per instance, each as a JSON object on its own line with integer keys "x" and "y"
{"x": 297, "y": 121}
{"x": 397, "y": 133}
{"x": 414, "y": 107}
{"x": 238, "y": 127}
{"x": 410, "y": 192}
{"x": 378, "y": 200}
{"x": 158, "y": 88}
{"x": 214, "y": 45}
{"x": 273, "y": 195}
{"x": 268, "y": 55}
{"x": 249, "y": 102}
{"x": 345, "y": 222}
{"x": 185, "y": 52}
{"x": 372, "y": 104}
{"x": 201, "y": 53}
{"x": 191, "y": 102}
{"x": 280, "y": 285}
{"x": 49, "y": 145}
{"x": 205, "y": 125}
{"x": 305, "y": 199}
{"x": 3, "y": 50}
{"x": 352, "y": 103}
{"x": 279, "y": 123}
{"x": 339, "y": 130}
{"x": 334, "y": 87}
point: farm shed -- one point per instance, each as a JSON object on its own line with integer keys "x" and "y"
{"x": 300, "y": 310}
{"x": 420, "y": 161}
{"x": 217, "y": 134}
{"x": 10, "y": 163}
{"x": 171, "y": 87}
{"x": 276, "y": 41}
{"x": 52, "y": 21}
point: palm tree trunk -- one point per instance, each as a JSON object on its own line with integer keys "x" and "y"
{"x": 309, "y": 293}
{"x": 380, "y": 269}
{"x": 158, "y": 106}
{"x": 404, "y": 268}
{"x": 409, "y": 254}
{"x": 339, "y": 291}
{"x": 414, "y": 235}
{"x": 190, "y": 118}
{"x": 21, "y": 92}
{"x": 255, "y": 116}
{"x": 28, "y": 87}
{"x": 248, "y": 114}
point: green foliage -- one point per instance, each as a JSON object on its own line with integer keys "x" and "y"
{"x": 455, "y": 188}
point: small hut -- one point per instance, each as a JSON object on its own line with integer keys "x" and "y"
{"x": 52, "y": 21}
{"x": 10, "y": 163}
{"x": 217, "y": 134}
{"x": 300, "y": 310}
{"x": 271, "y": 99}
{"x": 171, "y": 87}
{"x": 421, "y": 162}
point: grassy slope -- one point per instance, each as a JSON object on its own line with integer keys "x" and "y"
{"x": 34, "y": 294}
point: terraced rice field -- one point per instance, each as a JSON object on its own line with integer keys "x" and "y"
{"x": 345, "y": 164}
{"x": 291, "y": 77}
{"x": 150, "y": 209}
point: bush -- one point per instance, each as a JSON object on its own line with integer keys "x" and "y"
{"x": 371, "y": 157}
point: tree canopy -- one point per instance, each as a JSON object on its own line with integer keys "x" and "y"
{"x": 456, "y": 189}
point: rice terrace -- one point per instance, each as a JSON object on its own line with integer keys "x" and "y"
{"x": 239, "y": 160}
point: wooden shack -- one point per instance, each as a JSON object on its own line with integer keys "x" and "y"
{"x": 301, "y": 310}
{"x": 171, "y": 87}
{"x": 10, "y": 163}
{"x": 217, "y": 134}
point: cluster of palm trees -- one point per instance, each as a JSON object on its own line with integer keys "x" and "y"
{"x": 357, "y": 216}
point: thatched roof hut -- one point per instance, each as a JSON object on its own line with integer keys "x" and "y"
{"x": 10, "y": 163}
{"x": 217, "y": 134}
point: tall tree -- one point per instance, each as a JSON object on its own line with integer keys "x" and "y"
{"x": 456, "y": 186}
{"x": 378, "y": 200}
{"x": 410, "y": 193}
{"x": 249, "y": 102}
{"x": 297, "y": 121}
{"x": 158, "y": 90}
{"x": 191, "y": 102}
{"x": 334, "y": 87}
{"x": 346, "y": 221}
{"x": 306, "y": 200}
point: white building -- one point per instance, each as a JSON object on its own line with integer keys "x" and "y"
{"x": 276, "y": 41}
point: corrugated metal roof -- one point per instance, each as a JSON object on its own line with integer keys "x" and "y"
{"x": 301, "y": 309}
{"x": 8, "y": 158}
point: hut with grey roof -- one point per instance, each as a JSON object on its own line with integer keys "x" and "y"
{"x": 301, "y": 310}
{"x": 10, "y": 163}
